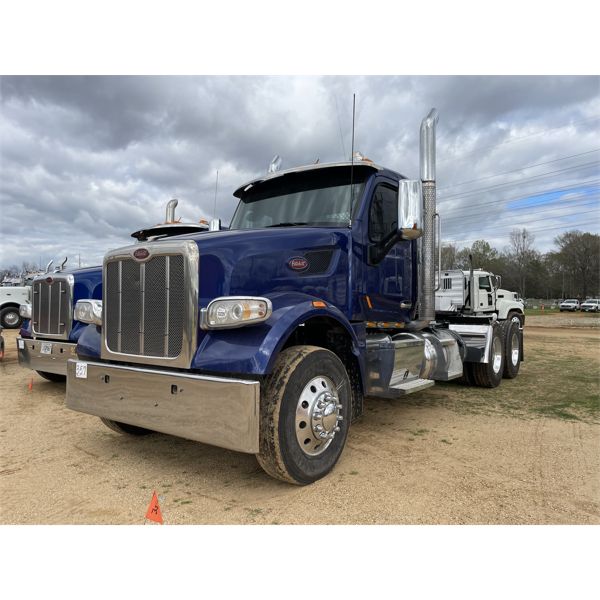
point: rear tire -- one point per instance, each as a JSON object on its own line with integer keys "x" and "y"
{"x": 490, "y": 374}
{"x": 54, "y": 377}
{"x": 513, "y": 349}
{"x": 305, "y": 412}
{"x": 10, "y": 317}
{"x": 125, "y": 428}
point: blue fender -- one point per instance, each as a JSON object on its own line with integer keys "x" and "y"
{"x": 252, "y": 350}
{"x": 89, "y": 341}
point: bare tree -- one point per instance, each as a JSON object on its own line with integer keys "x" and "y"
{"x": 448, "y": 256}
{"x": 522, "y": 254}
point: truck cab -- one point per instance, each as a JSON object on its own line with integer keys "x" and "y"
{"x": 454, "y": 295}
{"x": 267, "y": 337}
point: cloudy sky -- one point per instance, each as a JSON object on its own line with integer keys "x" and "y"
{"x": 84, "y": 161}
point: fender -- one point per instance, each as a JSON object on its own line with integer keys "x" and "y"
{"x": 252, "y": 350}
{"x": 89, "y": 341}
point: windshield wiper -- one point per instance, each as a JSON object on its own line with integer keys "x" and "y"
{"x": 288, "y": 224}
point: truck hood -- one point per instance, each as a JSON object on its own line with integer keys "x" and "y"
{"x": 260, "y": 262}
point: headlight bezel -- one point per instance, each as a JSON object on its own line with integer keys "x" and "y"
{"x": 88, "y": 311}
{"x": 227, "y": 303}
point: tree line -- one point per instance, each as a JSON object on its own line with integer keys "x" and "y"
{"x": 570, "y": 270}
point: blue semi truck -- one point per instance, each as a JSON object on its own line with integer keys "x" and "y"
{"x": 49, "y": 333}
{"x": 267, "y": 337}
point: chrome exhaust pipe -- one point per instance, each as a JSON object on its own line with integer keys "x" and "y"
{"x": 60, "y": 267}
{"x": 428, "y": 167}
{"x": 170, "y": 215}
{"x": 48, "y": 266}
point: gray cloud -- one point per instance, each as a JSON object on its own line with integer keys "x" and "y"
{"x": 86, "y": 160}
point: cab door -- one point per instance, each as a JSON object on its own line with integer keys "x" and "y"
{"x": 388, "y": 273}
{"x": 485, "y": 293}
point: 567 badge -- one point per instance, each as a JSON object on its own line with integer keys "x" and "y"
{"x": 81, "y": 370}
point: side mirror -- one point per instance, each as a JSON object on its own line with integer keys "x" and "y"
{"x": 410, "y": 209}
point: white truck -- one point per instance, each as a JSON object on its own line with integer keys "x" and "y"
{"x": 477, "y": 293}
{"x": 11, "y": 298}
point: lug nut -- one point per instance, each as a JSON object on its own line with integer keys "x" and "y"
{"x": 339, "y": 406}
{"x": 322, "y": 434}
{"x": 336, "y": 429}
{"x": 319, "y": 427}
{"x": 340, "y": 418}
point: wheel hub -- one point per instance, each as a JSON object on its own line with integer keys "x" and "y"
{"x": 318, "y": 415}
{"x": 11, "y": 318}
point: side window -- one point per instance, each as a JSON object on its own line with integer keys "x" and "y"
{"x": 484, "y": 284}
{"x": 383, "y": 214}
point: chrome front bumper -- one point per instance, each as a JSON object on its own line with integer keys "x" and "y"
{"x": 53, "y": 361}
{"x": 214, "y": 410}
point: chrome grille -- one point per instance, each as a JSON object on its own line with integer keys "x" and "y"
{"x": 52, "y": 306}
{"x": 150, "y": 306}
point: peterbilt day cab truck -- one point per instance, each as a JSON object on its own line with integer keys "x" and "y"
{"x": 266, "y": 338}
{"x": 50, "y": 331}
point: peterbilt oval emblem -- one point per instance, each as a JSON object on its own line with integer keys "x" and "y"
{"x": 298, "y": 263}
{"x": 141, "y": 254}
{"x": 49, "y": 279}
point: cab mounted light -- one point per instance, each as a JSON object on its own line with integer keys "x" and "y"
{"x": 235, "y": 311}
{"x": 88, "y": 311}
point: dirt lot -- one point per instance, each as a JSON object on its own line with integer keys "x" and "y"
{"x": 527, "y": 452}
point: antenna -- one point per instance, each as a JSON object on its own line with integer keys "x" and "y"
{"x": 216, "y": 188}
{"x": 352, "y": 157}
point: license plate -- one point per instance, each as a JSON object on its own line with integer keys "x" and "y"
{"x": 81, "y": 370}
{"x": 46, "y": 348}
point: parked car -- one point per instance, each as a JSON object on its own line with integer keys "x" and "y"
{"x": 571, "y": 305}
{"x": 591, "y": 305}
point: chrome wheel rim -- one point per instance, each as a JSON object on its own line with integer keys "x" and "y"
{"x": 514, "y": 344}
{"x": 496, "y": 355}
{"x": 318, "y": 414}
{"x": 11, "y": 318}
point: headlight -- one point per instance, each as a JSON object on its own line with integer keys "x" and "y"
{"x": 25, "y": 311}
{"x": 235, "y": 311}
{"x": 89, "y": 311}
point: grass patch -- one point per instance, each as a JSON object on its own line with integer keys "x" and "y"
{"x": 553, "y": 383}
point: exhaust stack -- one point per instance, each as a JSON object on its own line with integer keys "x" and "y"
{"x": 170, "y": 215}
{"x": 427, "y": 168}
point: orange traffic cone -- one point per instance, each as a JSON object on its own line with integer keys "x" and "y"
{"x": 153, "y": 513}
{"x": 30, "y": 385}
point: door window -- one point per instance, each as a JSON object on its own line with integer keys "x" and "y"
{"x": 383, "y": 214}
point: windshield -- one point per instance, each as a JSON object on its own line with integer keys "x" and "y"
{"x": 313, "y": 199}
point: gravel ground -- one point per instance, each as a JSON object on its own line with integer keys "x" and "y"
{"x": 423, "y": 461}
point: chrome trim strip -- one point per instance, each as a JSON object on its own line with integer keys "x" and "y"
{"x": 30, "y": 356}
{"x": 143, "y": 305}
{"x": 168, "y": 302}
{"x": 213, "y": 410}
{"x": 189, "y": 250}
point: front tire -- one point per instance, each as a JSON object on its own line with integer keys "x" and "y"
{"x": 54, "y": 377}
{"x": 10, "y": 318}
{"x": 305, "y": 412}
{"x": 125, "y": 428}
{"x": 490, "y": 374}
